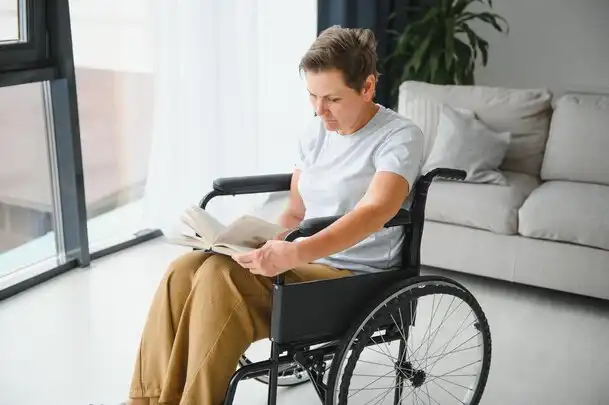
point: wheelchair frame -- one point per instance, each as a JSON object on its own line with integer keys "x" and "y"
{"x": 294, "y": 330}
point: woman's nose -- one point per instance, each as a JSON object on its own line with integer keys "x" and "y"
{"x": 320, "y": 107}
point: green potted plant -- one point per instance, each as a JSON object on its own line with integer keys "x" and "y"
{"x": 441, "y": 47}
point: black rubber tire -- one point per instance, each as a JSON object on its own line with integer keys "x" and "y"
{"x": 406, "y": 291}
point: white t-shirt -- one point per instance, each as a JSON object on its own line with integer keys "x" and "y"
{"x": 336, "y": 171}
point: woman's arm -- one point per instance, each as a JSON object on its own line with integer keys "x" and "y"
{"x": 382, "y": 201}
{"x": 294, "y": 213}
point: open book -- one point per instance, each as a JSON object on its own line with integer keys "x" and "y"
{"x": 243, "y": 235}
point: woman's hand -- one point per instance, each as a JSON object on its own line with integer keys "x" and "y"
{"x": 282, "y": 235}
{"x": 273, "y": 258}
{"x": 279, "y": 236}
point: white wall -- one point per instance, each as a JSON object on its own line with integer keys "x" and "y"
{"x": 559, "y": 44}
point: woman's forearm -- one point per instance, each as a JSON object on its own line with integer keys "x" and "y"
{"x": 289, "y": 220}
{"x": 347, "y": 231}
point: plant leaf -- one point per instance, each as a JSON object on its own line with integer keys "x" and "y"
{"x": 461, "y": 5}
{"x": 463, "y": 62}
{"x": 442, "y": 76}
{"x": 434, "y": 62}
{"x": 420, "y": 52}
{"x": 404, "y": 40}
{"x": 449, "y": 42}
{"x": 489, "y": 18}
{"x": 483, "y": 45}
{"x": 472, "y": 37}
{"x": 492, "y": 18}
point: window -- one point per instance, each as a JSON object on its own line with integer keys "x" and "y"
{"x": 115, "y": 87}
{"x": 27, "y": 209}
{"x": 23, "y": 37}
{"x": 71, "y": 184}
{"x": 10, "y": 31}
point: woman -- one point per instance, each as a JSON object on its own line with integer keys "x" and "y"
{"x": 360, "y": 159}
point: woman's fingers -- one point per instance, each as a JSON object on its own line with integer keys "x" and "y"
{"x": 282, "y": 235}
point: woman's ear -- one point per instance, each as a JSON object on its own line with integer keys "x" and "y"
{"x": 369, "y": 88}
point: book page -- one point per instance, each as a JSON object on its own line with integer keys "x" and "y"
{"x": 187, "y": 240}
{"x": 229, "y": 249}
{"x": 248, "y": 231}
{"x": 203, "y": 223}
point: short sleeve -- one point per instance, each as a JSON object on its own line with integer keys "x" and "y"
{"x": 401, "y": 153}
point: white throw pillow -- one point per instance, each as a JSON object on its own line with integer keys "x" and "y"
{"x": 425, "y": 114}
{"x": 463, "y": 142}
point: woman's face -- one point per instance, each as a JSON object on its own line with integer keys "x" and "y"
{"x": 339, "y": 106}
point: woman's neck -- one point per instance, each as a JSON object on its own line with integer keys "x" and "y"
{"x": 368, "y": 113}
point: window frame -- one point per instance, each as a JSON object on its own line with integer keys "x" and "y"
{"x": 47, "y": 57}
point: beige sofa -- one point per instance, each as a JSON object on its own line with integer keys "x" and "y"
{"x": 549, "y": 226}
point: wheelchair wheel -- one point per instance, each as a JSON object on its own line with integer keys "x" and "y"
{"x": 426, "y": 342}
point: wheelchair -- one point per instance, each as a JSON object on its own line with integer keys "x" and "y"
{"x": 373, "y": 338}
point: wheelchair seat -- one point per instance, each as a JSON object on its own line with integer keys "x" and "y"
{"x": 339, "y": 333}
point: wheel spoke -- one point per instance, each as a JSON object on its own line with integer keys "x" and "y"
{"x": 373, "y": 375}
{"x": 369, "y": 384}
{"x": 373, "y": 338}
{"x": 406, "y": 351}
{"x": 436, "y": 331}
{"x": 430, "y": 397}
{"x": 433, "y": 313}
{"x": 454, "y": 383}
{"x": 380, "y": 397}
{"x": 383, "y": 339}
{"x": 457, "y": 369}
{"x": 453, "y": 337}
{"x": 404, "y": 398}
{"x": 372, "y": 362}
{"x": 455, "y": 350}
{"x": 384, "y": 354}
{"x": 400, "y": 330}
{"x": 450, "y": 393}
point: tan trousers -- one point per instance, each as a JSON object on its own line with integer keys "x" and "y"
{"x": 206, "y": 312}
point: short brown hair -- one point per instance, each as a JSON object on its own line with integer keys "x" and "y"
{"x": 350, "y": 50}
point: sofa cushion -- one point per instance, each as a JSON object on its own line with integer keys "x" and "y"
{"x": 484, "y": 206}
{"x": 579, "y": 140}
{"x": 525, "y": 113}
{"x": 465, "y": 143}
{"x": 567, "y": 212}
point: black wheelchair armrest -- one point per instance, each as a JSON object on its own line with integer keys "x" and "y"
{"x": 403, "y": 217}
{"x": 312, "y": 226}
{"x": 422, "y": 185}
{"x": 453, "y": 174}
{"x": 253, "y": 184}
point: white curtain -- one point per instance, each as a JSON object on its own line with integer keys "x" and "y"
{"x": 229, "y": 98}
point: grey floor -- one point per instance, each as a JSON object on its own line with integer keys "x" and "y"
{"x": 72, "y": 340}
